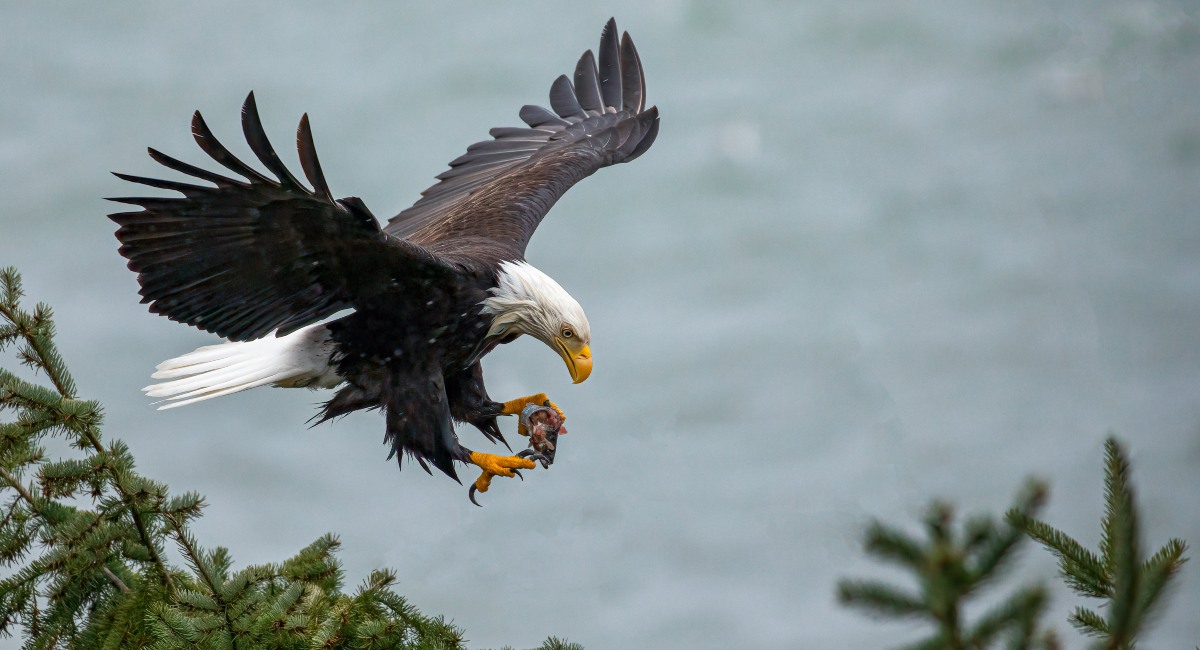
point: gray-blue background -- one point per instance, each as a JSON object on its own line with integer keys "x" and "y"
{"x": 879, "y": 253}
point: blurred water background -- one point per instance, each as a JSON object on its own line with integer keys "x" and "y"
{"x": 880, "y": 253}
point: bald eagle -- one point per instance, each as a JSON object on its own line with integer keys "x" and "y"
{"x": 263, "y": 262}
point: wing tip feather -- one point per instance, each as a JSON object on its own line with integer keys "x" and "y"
{"x": 602, "y": 102}
{"x": 611, "y": 78}
{"x": 306, "y": 148}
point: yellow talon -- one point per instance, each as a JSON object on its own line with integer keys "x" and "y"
{"x": 500, "y": 465}
{"x": 514, "y": 407}
{"x": 493, "y": 465}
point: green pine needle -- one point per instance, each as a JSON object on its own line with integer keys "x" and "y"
{"x": 1089, "y": 622}
{"x": 554, "y": 643}
{"x": 1082, "y": 569}
{"x": 881, "y": 599}
{"x": 888, "y": 543}
{"x": 1013, "y": 616}
{"x": 1158, "y": 573}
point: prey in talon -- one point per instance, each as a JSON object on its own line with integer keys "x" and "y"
{"x": 312, "y": 291}
{"x": 544, "y": 425}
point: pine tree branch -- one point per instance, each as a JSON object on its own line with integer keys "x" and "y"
{"x": 195, "y": 556}
{"x": 1117, "y": 501}
{"x": 995, "y": 546}
{"x": 16, "y": 485}
{"x": 1121, "y": 548}
{"x": 1089, "y": 622}
{"x": 1130, "y": 586}
{"x": 148, "y": 542}
{"x": 35, "y": 508}
{"x": 1080, "y": 567}
{"x": 555, "y": 643}
{"x": 1157, "y": 574}
{"x": 951, "y": 565}
{"x": 112, "y": 577}
{"x": 37, "y": 331}
{"x": 937, "y": 642}
{"x": 886, "y": 542}
{"x": 881, "y": 599}
{"x": 42, "y": 345}
{"x": 1015, "y": 612}
{"x": 134, "y": 512}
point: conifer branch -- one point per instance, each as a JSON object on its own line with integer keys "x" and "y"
{"x": 1080, "y": 568}
{"x": 117, "y": 582}
{"x": 1089, "y": 622}
{"x": 203, "y": 569}
{"x": 881, "y": 599}
{"x": 36, "y": 329}
{"x": 951, "y": 564}
{"x": 15, "y": 484}
{"x": 888, "y": 543}
{"x": 148, "y": 542}
{"x": 1130, "y": 587}
{"x": 83, "y": 418}
{"x": 1158, "y": 575}
{"x": 1018, "y": 612}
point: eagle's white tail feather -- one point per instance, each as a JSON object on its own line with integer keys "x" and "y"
{"x": 209, "y": 382}
{"x": 302, "y": 358}
{"x": 199, "y": 360}
{"x": 211, "y": 373}
{"x": 209, "y": 393}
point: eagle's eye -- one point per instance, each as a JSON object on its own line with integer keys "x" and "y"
{"x": 567, "y": 332}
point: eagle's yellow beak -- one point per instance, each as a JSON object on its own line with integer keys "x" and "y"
{"x": 579, "y": 361}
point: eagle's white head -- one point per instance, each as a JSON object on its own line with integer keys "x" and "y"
{"x": 527, "y": 301}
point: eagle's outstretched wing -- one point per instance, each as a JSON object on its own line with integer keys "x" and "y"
{"x": 487, "y": 205}
{"x": 243, "y": 258}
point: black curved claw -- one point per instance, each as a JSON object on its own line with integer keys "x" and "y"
{"x": 518, "y": 473}
{"x": 538, "y": 456}
{"x": 471, "y": 495}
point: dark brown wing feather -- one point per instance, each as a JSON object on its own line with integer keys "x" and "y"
{"x": 246, "y": 257}
{"x": 487, "y": 205}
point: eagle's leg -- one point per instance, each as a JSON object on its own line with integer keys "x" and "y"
{"x": 493, "y": 465}
{"x": 514, "y": 407}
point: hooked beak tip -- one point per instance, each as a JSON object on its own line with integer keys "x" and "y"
{"x": 580, "y": 364}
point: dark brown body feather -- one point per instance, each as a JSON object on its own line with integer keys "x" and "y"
{"x": 249, "y": 255}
